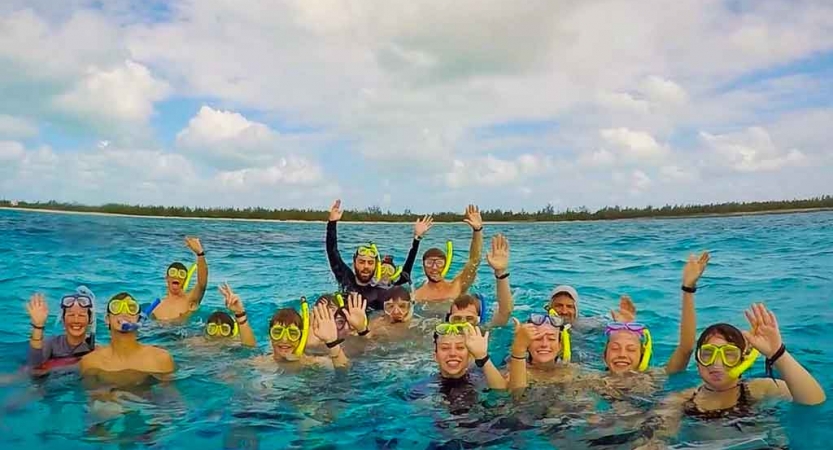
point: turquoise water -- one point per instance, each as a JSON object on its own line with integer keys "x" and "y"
{"x": 218, "y": 401}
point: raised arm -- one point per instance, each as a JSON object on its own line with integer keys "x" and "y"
{"x": 466, "y": 277}
{"x": 498, "y": 259}
{"x": 196, "y": 295}
{"x": 524, "y": 334}
{"x": 38, "y": 312}
{"x": 340, "y": 269}
{"x": 235, "y": 305}
{"x": 420, "y": 228}
{"x": 797, "y": 383}
{"x": 692, "y": 272}
{"x": 478, "y": 345}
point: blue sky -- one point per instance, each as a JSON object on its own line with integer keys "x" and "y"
{"x": 415, "y": 105}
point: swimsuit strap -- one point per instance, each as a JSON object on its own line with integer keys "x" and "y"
{"x": 740, "y": 408}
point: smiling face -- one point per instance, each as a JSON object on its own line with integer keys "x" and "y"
{"x": 564, "y": 305}
{"x": 545, "y": 348}
{"x": 623, "y": 351}
{"x": 433, "y": 264}
{"x": 76, "y": 320}
{"x": 452, "y": 355}
{"x": 285, "y": 333}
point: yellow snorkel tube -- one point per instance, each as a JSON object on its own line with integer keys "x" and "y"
{"x": 647, "y": 351}
{"x": 191, "y": 272}
{"x": 378, "y": 273}
{"x": 339, "y": 299}
{"x": 746, "y": 363}
{"x": 566, "y": 348}
{"x": 305, "y": 332}
{"x": 449, "y": 256}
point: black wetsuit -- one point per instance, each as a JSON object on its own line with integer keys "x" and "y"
{"x": 460, "y": 393}
{"x": 374, "y": 295}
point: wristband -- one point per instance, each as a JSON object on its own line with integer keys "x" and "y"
{"x": 364, "y": 333}
{"x": 482, "y": 361}
{"x": 243, "y": 314}
{"x": 243, "y": 322}
{"x": 36, "y": 327}
{"x": 522, "y": 358}
{"x": 477, "y": 230}
{"x": 200, "y": 254}
{"x": 690, "y": 290}
{"x": 334, "y": 343}
{"x": 771, "y": 361}
{"x": 502, "y": 277}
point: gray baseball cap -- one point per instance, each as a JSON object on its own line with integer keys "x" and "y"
{"x": 569, "y": 290}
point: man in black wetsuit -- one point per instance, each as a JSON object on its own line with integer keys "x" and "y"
{"x": 360, "y": 278}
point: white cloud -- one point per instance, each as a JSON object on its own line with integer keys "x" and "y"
{"x": 664, "y": 91}
{"x": 598, "y": 158}
{"x": 16, "y": 127}
{"x": 11, "y": 152}
{"x": 293, "y": 171}
{"x": 125, "y": 93}
{"x": 490, "y": 171}
{"x": 623, "y": 102}
{"x": 637, "y": 145}
{"x": 640, "y": 181}
{"x": 751, "y": 150}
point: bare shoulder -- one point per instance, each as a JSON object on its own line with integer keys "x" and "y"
{"x": 158, "y": 359}
{"x": 762, "y": 388}
{"x": 92, "y": 360}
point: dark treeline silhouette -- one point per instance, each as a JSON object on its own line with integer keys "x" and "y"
{"x": 376, "y": 214}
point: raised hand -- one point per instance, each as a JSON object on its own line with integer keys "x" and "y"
{"x": 194, "y": 244}
{"x": 357, "y": 314}
{"x": 37, "y": 309}
{"x": 524, "y": 335}
{"x": 498, "y": 258}
{"x": 694, "y": 269}
{"x": 233, "y": 302}
{"x": 764, "y": 335}
{"x": 473, "y": 217}
{"x": 626, "y": 312}
{"x": 335, "y": 211}
{"x": 477, "y": 342}
{"x": 324, "y": 323}
{"x": 423, "y": 225}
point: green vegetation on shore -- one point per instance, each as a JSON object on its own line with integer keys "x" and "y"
{"x": 375, "y": 214}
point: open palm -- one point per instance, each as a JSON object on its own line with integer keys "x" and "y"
{"x": 423, "y": 225}
{"x": 765, "y": 335}
{"x": 498, "y": 257}
{"x": 626, "y": 312}
{"x": 694, "y": 269}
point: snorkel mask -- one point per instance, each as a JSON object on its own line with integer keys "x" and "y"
{"x": 735, "y": 362}
{"x": 645, "y": 337}
{"x": 559, "y": 323}
{"x": 371, "y": 251}
{"x": 217, "y": 329}
{"x": 131, "y": 307}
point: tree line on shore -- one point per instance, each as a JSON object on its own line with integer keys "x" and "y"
{"x": 376, "y": 214}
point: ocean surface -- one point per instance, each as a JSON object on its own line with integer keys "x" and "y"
{"x": 388, "y": 399}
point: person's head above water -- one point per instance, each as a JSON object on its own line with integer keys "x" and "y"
{"x": 564, "y": 300}
{"x": 175, "y": 277}
{"x": 364, "y": 262}
{"x": 122, "y": 309}
{"x": 336, "y": 304}
{"x": 77, "y": 312}
{"x": 398, "y": 304}
{"x": 628, "y": 347}
{"x": 286, "y": 329}
{"x": 433, "y": 264}
{"x": 450, "y": 349}
{"x": 220, "y": 325}
{"x": 466, "y": 308}
{"x": 387, "y": 270}
{"x": 546, "y": 345}
{"x": 722, "y": 355}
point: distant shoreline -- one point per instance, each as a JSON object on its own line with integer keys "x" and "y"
{"x": 233, "y": 219}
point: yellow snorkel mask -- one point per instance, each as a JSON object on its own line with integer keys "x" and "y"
{"x": 215, "y": 329}
{"x": 735, "y": 362}
{"x": 305, "y": 331}
{"x": 647, "y": 342}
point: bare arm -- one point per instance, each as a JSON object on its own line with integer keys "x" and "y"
{"x": 235, "y": 305}
{"x": 466, "y": 277}
{"x": 692, "y": 272}
{"x": 196, "y": 295}
{"x": 162, "y": 366}
{"x": 517, "y": 364}
{"x": 498, "y": 259}
{"x": 247, "y": 335}
{"x": 493, "y": 377}
{"x": 38, "y": 312}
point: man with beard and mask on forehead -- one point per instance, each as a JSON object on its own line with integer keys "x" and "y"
{"x": 435, "y": 262}
{"x": 178, "y": 304}
{"x": 359, "y": 279}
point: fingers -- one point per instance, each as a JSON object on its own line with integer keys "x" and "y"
{"x": 516, "y": 323}
{"x": 486, "y": 336}
{"x": 704, "y": 258}
{"x": 336, "y": 205}
{"x": 750, "y": 317}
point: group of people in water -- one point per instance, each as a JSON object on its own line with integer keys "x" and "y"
{"x": 375, "y": 301}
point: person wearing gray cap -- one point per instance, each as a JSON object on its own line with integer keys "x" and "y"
{"x": 564, "y": 300}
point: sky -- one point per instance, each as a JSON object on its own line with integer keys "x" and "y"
{"x": 427, "y": 106}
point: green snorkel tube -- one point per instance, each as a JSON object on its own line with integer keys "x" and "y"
{"x": 305, "y": 332}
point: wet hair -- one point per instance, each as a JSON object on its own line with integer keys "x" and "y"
{"x": 728, "y": 332}
{"x": 176, "y": 265}
{"x": 220, "y": 317}
{"x": 433, "y": 253}
{"x": 465, "y": 301}
{"x": 330, "y": 300}
{"x": 287, "y": 316}
{"x": 388, "y": 259}
{"x": 397, "y": 293}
